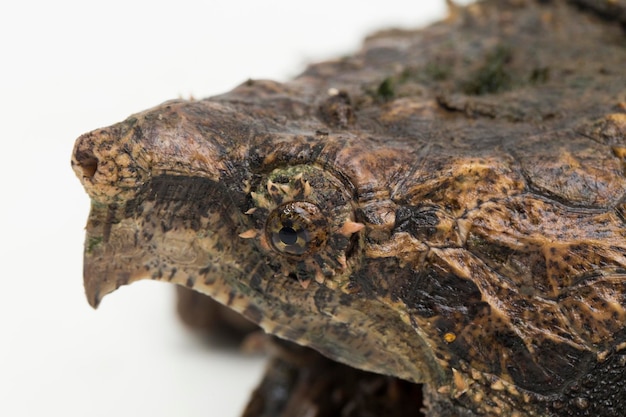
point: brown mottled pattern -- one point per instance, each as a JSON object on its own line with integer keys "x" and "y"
{"x": 471, "y": 179}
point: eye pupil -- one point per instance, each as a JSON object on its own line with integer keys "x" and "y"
{"x": 288, "y": 235}
{"x": 297, "y": 229}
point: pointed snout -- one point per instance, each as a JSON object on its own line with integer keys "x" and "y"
{"x": 109, "y": 165}
{"x": 177, "y": 137}
{"x": 168, "y": 153}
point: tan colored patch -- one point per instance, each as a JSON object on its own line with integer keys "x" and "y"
{"x": 449, "y": 337}
{"x": 350, "y": 227}
{"x": 460, "y": 385}
{"x": 465, "y": 184}
{"x": 248, "y": 234}
{"x": 402, "y": 109}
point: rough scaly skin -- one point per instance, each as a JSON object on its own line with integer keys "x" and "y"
{"x": 471, "y": 183}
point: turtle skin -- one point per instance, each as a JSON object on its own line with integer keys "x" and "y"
{"x": 445, "y": 209}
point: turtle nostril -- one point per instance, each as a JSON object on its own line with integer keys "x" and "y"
{"x": 90, "y": 167}
{"x": 108, "y": 173}
{"x": 87, "y": 164}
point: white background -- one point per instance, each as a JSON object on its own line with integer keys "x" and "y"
{"x": 67, "y": 67}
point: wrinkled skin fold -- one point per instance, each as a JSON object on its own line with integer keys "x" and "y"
{"x": 446, "y": 207}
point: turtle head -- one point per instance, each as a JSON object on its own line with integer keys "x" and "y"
{"x": 264, "y": 218}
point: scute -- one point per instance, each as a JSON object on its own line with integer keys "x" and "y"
{"x": 572, "y": 169}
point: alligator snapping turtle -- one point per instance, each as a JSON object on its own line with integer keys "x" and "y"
{"x": 447, "y": 207}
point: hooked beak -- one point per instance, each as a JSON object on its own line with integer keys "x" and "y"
{"x": 104, "y": 268}
{"x": 141, "y": 166}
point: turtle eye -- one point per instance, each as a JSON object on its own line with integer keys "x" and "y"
{"x": 297, "y": 228}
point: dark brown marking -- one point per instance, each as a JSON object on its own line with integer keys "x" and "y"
{"x": 253, "y": 313}
{"x": 336, "y": 111}
{"x": 419, "y": 221}
{"x": 190, "y": 280}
